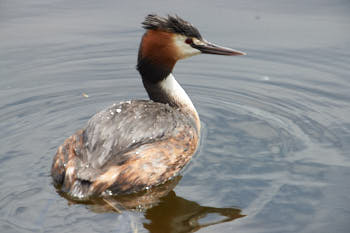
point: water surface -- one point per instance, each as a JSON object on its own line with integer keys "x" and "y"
{"x": 276, "y": 131}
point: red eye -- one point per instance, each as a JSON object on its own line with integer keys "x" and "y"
{"x": 188, "y": 41}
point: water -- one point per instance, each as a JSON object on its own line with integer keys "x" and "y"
{"x": 276, "y": 131}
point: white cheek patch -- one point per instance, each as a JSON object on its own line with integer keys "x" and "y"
{"x": 185, "y": 50}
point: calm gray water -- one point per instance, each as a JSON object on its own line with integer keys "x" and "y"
{"x": 276, "y": 123}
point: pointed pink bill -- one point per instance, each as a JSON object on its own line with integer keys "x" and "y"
{"x": 209, "y": 48}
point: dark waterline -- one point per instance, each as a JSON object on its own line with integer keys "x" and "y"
{"x": 276, "y": 132}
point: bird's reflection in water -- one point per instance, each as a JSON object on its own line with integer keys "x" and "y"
{"x": 176, "y": 214}
{"x": 165, "y": 211}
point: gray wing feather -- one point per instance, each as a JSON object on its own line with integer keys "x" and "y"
{"x": 124, "y": 126}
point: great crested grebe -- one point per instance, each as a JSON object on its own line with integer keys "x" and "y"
{"x": 137, "y": 144}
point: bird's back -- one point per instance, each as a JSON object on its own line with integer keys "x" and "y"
{"x": 125, "y": 148}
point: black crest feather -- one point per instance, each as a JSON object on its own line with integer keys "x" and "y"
{"x": 171, "y": 24}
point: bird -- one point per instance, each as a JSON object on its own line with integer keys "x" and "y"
{"x": 135, "y": 145}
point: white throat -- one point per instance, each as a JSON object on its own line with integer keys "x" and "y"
{"x": 174, "y": 91}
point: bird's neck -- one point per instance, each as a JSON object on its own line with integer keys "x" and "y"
{"x": 170, "y": 92}
{"x": 155, "y": 68}
{"x": 157, "y": 78}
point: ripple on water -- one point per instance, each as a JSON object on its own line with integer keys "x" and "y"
{"x": 270, "y": 145}
{"x": 275, "y": 137}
